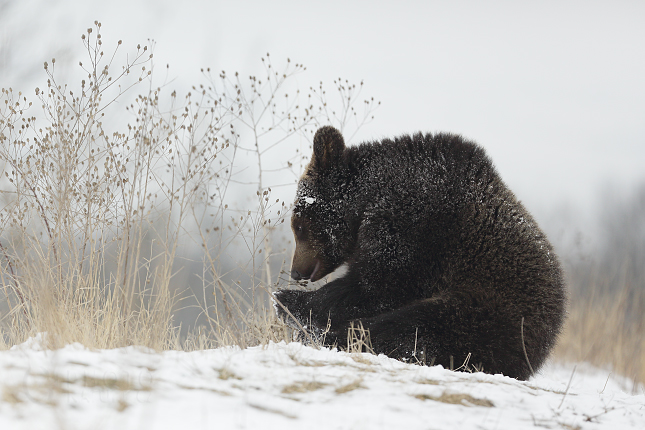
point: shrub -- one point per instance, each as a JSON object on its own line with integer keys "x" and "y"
{"x": 97, "y": 215}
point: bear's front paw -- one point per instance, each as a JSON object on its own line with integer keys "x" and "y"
{"x": 293, "y": 300}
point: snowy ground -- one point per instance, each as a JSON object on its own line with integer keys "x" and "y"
{"x": 293, "y": 386}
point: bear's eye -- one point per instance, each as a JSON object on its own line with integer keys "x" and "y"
{"x": 298, "y": 230}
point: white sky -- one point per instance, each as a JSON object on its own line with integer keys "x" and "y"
{"x": 555, "y": 90}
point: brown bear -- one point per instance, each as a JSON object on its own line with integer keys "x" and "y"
{"x": 444, "y": 264}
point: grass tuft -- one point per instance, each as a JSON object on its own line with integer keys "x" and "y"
{"x": 457, "y": 399}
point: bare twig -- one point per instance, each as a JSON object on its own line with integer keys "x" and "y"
{"x": 524, "y": 346}
{"x": 568, "y": 385}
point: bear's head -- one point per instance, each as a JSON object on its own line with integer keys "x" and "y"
{"x": 320, "y": 221}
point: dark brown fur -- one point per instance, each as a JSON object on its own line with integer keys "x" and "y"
{"x": 445, "y": 265}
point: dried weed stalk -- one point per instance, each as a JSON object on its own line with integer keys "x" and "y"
{"x": 94, "y": 215}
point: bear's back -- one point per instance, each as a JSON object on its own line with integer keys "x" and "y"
{"x": 427, "y": 165}
{"x": 445, "y": 191}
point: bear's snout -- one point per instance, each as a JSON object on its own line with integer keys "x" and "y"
{"x": 295, "y": 275}
{"x": 311, "y": 271}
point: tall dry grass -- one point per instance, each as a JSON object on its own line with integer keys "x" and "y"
{"x": 103, "y": 193}
{"x": 607, "y": 331}
{"x": 606, "y": 321}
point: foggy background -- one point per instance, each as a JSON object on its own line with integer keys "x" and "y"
{"x": 555, "y": 91}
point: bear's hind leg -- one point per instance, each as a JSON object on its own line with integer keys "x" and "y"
{"x": 455, "y": 334}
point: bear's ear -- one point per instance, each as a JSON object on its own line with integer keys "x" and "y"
{"x": 328, "y": 147}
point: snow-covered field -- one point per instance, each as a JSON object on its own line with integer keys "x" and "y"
{"x": 293, "y": 386}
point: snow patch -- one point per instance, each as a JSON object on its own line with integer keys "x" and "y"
{"x": 34, "y": 343}
{"x": 280, "y": 386}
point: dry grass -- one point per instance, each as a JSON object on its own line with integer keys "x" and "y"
{"x": 78, "y": 211}
{"x": 303, "y": 387}
{"x": 96, "y": 214}
{"x": 457, "y": 399}
{"x": 358, "y": 339}
{"x": 607, "y": 330}
{"x": 354, "y": 385}
{"x": 606, "y": 322}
